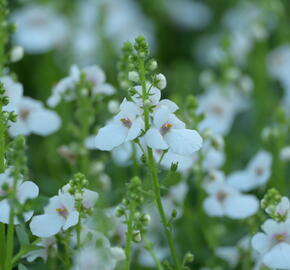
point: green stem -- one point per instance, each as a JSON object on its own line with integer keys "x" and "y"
{"x": 2, "y": 244}
{"x": 129, "y": 237}
{"x": 10, "y": 241}
{"x": 153, "y": 171}
{"x": 150, "y": 249}
{"x": 2, "y": 141}
{"x": 165, "y": 223}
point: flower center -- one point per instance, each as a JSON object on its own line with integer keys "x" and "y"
{"x": 24, "y": 113}
{"x": 221, "y": 195}
{"x": 126, "y": 122}
{"x": 280, "y": 237}
{"x": 217, "y": 109}
{"x": 259, "y": 171}
{"x": 62, "y": 211}
{"x": 165, "y": 128}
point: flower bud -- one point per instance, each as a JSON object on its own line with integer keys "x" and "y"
{"x": 113, "y": 106}
{"x": 118, "y": 253}
{"x": 153, "y": 65}
{"x": 16, "y": 54}
{"x": 161, "y": 81}
{"x": 285, "y": 153}
{"x": 133, "y": 76}
{"x": 137, "y": 236}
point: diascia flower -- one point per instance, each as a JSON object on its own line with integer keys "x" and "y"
{"x": 14, "y": 91}
{"x": 224, "y": 200}
{"x": 274, "y": 244}
{"x": 60, "y": 213}
{"x": 34, "y": 118}
{"x": 170, "y": 132}
{"x": 24, "y": 190}
{"x": 256, "y": 174}
{"x": 126, "y": 126}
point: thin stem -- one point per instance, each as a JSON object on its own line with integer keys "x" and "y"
{"x": 150, "y": 249}
{"x": 165, "y": 223}
{"x": 129, "y": 237}
{"x": 10, "y": 241}
{"x": 2, "y": 140}
{"x": 2, "y": 244}
{"x": 153, "y": 171}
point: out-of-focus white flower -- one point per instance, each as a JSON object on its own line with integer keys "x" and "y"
{"x": 189, "y": 14}
{"x": 126, "y": 126}
{"x": 101, "y": 257}
{"x": 273, "y": 244}
{"x": 256, "y": 174}
{"x": 230, "y": 254}
{"x": 34, "y": 118}
{"x": 48, "y": 244}
{"x": 16, "y": 54}
{"x": 225, "y": 200}
{"x": 66, "y": 88}
{"x": 59, "y": 214}
{"x": 24, "y": 190}
{"x": 281, "y": 210}
{"x": 39, "y": 28}
{"x": 279, "y": 63}
{"x": 219, "y": 110}
{"x": 113, "y": 106}
{"x": 169, "y": 132}
{"x": 161, "y": 81}
{"x": 14, "y": 91}
{"x": 285, "y": 153}
{"x": 145, "y": 258}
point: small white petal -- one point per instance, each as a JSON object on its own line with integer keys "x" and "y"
{"x": 183, "y": 141}
{"x": 154, "y": 139}
{"x": 90, "y": 198}
{"x": 135, "y": 129}
{"x": 71, "y": 220}
{"x": 110, "y": 137}
{"x": 27, "y": 190}
{"x": 169, "y": 104}
{"x": 241, "y": 180}
{"x": 261, "y": 242}
{"x": 213, "y": 207}
{"x": 161, "y": 116}
{"x": 241, "y": 206}
{"x": 278, "y": 257}
{"x": 46, "y": 225}
{"x": 43, "y": 122}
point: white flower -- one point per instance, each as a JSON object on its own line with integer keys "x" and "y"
{"x": 16, "y": 54}
{"x": 47, "y": 244}
{"x": 14, "y": 91}
{"x": 285, "y": 153}
{"x": 89, "y": 198}
{"x": 230, "y": 254}
{"x": 279, "y": 63}
{"x": 153, "y": 93}
{"x": 169, "y": 132}
{"x": 60, "y": 213}
{"x": 189, "y": 14}
{"x": 219, "y": 111}
{"x": 34, "y": 118}
{"x": 225, "y": 200}
{"x": 126, "y": 126}
{"x": 274, "y": 244}
{"x": 282, "y": 209}
{"x": 24, "y": 190}
{"x": 66, "y": 87}
{"x": 256, "y": 174}
{"x": 39, "y": 28}
{"x": 161, "y": 81}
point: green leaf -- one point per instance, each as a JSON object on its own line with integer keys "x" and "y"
{"x": 22, "y": 235}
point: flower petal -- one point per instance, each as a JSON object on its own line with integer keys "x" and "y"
{"x": 241, "y": 206}
{"x": 110, "y": 137}
{"x": 154, "y": 139}
{"x": 213, "y": 207}
{"x": 241, "y": 180}
{"x": 43, "y": 122}
{"x": 261, "y": 242}
{"x": 172, "y": 106}
{"x": 278, "y": 257}
{"x": 46, "y": 225}
{"x": 27, "y": 190}
{"x": 135, "y": 129}
{"x": 71, "y": 220}
{"x": 183, "y": 141}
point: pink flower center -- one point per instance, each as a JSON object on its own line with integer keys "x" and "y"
{"x": 126, "y": 122}
{"x": 280, "y": 237}
{"x": 221, "y": 195}
{"x": 24, "y": 114}
{"x": 165, "y": 128}
{"x": 217, "y": 109}
{"x": 62, "y": 211}
{"x": 259, "y": 171}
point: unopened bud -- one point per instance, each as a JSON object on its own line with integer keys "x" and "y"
{"x": 16, "y": 54}
{"x": 161, "y": 81}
